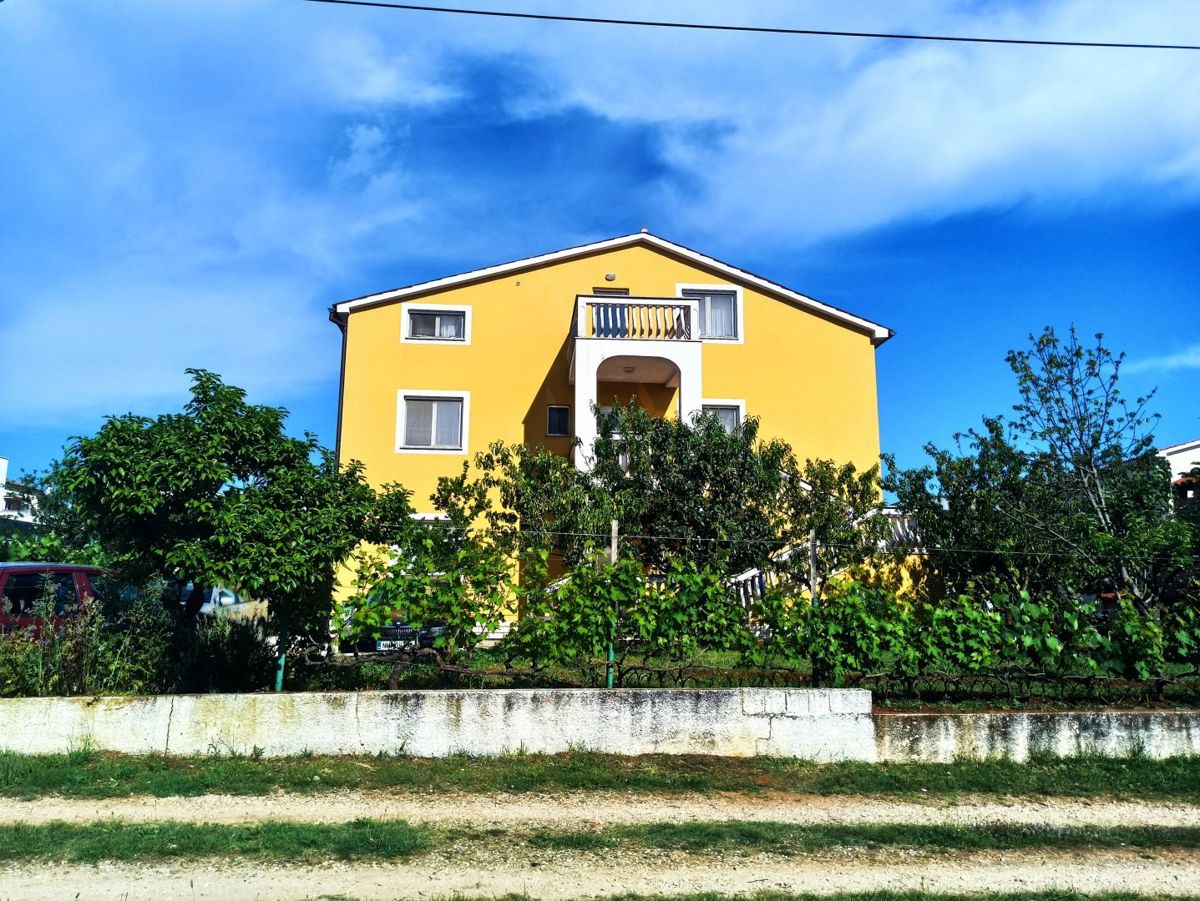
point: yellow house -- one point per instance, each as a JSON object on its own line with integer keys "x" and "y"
{"x": 523, "y": 352}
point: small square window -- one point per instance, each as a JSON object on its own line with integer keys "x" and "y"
{"x": 558, "y": 421}
{"x": 730, "y": 416}
{"x": 435, "y": 325}
{"x": 433, "y": 422}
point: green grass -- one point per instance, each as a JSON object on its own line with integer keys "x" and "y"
{"x": 1051, "y": 895}
{"x": 394, "y": 839}
{"x": 790, "y": 838}
{"x": 86, "y": 774}
{"x": 267, "y": 841}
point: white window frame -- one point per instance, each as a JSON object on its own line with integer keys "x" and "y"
{"x": 421, "y": 394}
{"x": 407, "y": 337}
{"x": 739, "y": 303}
{"x": 567, "y": 433}
{"x": 737, "y": 402}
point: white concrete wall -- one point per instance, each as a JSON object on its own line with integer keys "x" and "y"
{"x": 944, "y": 737}
{"x": 822, "y": 725}
{"x": 814, "y": 724}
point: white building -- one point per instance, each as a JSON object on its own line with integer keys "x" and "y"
{"x": 16, "y": 500}
{"x": 1182, "y": 457}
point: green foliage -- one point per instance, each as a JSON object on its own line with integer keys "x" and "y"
{"x": 1067, "y": 497}
{"x": 140, "y": 648}
{"x": 1138, "y": 642}
{"x": 959, "y": 635}
{"x": 671, "y": 619}
{"x": 855, "y": 630}
{"x": 829, "y": 515}
{"x": 218, "y": 495}
{"x": 676, "y": 489}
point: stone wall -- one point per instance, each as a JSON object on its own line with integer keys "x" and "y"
{"x": 817, "y": 724}
{"x": 943, "y": 737}
{"x": 833, "y": 724}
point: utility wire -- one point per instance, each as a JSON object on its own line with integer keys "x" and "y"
{"x": 750, "y": 29}
{"x": 914, "y": 551}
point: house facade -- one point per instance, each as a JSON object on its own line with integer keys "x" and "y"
{"x": 524, "y": 351}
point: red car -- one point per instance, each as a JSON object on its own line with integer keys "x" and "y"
{"x": 22, "y": 586}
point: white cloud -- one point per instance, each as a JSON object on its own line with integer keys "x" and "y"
{"x": 1188, "y": 358}
{"x": 122, "y": 340}
{"x": 822, "y": 140}
{"x": 356, "y": 67}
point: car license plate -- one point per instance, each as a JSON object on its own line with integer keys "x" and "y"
{"x": 390, "y": 645}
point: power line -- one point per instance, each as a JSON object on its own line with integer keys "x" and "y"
{"x": 751, "y": 29}
{"x": 910, "y": 550}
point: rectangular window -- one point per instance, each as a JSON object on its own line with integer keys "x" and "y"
{"x": 610, "y": 292}
{"x": 432, "y": 325}
{"x": 558, "y": 421}
{"x": 730, "y": 415}
{"x": 433, "y": 422}
{"x": 718, "y": 312}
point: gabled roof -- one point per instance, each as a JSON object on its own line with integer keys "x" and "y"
{"x": 879, "y": 333}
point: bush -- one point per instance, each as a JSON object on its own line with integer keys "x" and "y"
{"x": 141, "y": 649}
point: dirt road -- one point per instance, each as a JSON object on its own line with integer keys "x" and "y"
{"x": 579, "y": 809}
{"x": 511, "y": 866}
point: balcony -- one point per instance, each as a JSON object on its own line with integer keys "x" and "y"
{"x": 652, "y": 342}
{"x": 636, "y": 318}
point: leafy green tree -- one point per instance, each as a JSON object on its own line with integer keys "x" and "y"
{"x": 1115, "y": 491}
{"x": 830, "y": 517}
{"x": 1068, "y": 496}
{"x": 972, "y": 508}
{"x": 219, "y": 494}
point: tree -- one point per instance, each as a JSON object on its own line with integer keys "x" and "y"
{"x": 1068, "y": 495}
{"x": 972, "y": 508}
{"x": 219, "y": 495}
{"x": 830, "y": 516}
{"x": 1115, "y": 512}
{"x": 678, "y": 490}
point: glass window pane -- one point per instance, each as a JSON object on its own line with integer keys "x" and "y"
{"x": 422, "y": 325}
{"x": 728, "y": 416}
{"x": 718, "y": 313}
{"x": 418, "y": 423}
{"x": 558, "y": 421}
{"x": 449, "y": 423}
{"x": 450, "y": 325}
{"x": 721, "y": 321}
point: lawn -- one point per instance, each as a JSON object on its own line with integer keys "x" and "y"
{"x": 89, "y": 774}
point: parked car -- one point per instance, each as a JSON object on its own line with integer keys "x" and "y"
{"x": 399, "y": 637}
{"x": 22, "y": 586}
{"x": 225, "y": 603}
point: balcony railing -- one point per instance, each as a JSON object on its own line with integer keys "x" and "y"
{"x": 635, "y": 318}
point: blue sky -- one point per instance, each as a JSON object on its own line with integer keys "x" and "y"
{"x": 193, "y": 185}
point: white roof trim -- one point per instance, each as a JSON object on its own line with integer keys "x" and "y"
{"x": 1179, "y": 448}
{"x": 879, "y": 333}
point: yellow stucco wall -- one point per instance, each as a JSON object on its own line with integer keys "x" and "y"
{"x": 809, "y": 379}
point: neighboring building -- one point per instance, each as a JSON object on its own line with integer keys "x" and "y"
{"x": 17, "y": 501}
{"x": 520, "y": 352}
{"x": 1183, "y": 458}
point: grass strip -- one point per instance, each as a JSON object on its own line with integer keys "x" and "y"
{"x": 915, "y": 895}
{"x": 365, "y": 839}
{"x": 87, "y": 774}
{"x": 266, "y": 841}
{"x": 790, "y": 838}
